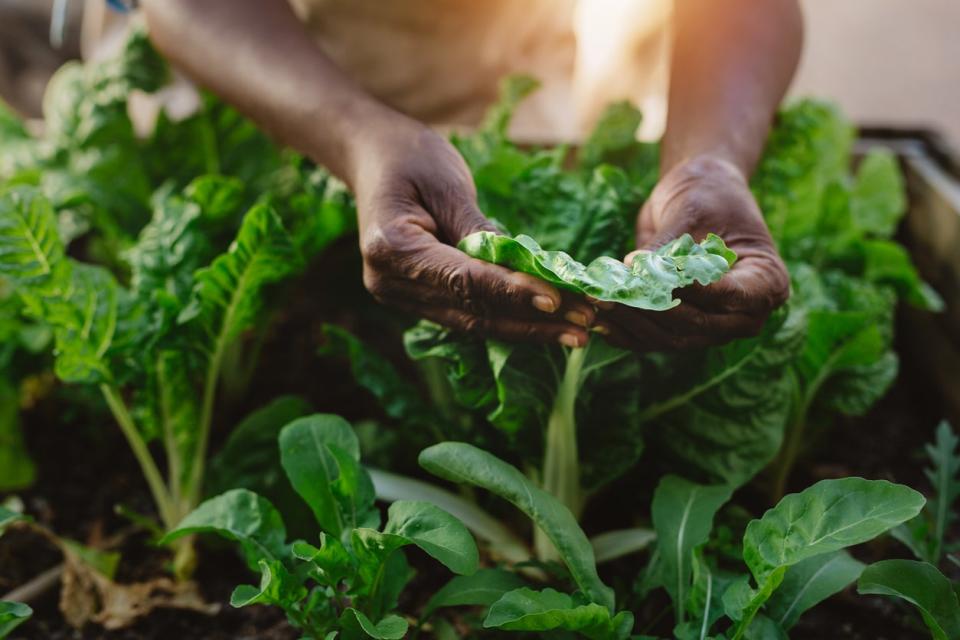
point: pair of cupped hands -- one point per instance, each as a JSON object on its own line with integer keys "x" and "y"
{"x": 416, "y": 200}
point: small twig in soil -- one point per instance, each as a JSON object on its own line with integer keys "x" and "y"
{"x": 36, "y": 587}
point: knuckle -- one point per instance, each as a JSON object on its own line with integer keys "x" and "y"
{"x": 376, "y": 285}
{"x": 461, "y": 282}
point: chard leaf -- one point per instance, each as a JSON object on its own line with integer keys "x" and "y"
{"x": 464, "y": 463}
{"x": 720, "y": 414}
{"x": 920, "y": 584}
{"x": 243, "y": 517}
{"x": 226, "y": 296}
{"x": 321, "y": 456}
{"x": 357, "y": 626}
{"x": 12, "y": 615}
{"x": 647, "y": 284}
{"x": 826, "y": 517}
{"x": 879, "y": 198}
{"x": 810, "y": 582}
{"x": 549, "y": 610}
{"x": 31, "y": 253}
{"x": 483, "y": 588}
{"x": 888, "y": 263}
{"x": 683, "y": 515}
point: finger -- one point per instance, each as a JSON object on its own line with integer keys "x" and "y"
{"x": 576, "y": 310}
{"x": 690, "y": 320}
{"x": 509, "y": 329}
{"x": 647, "y": 335}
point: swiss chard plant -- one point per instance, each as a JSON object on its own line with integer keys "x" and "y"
{"x": 154, "y": 283}
{"x": 350, "y": 580}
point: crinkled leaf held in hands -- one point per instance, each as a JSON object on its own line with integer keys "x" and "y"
{"x": 464, "y": 463}
{"x": 920, "y": 584}
{"x": 682, "y": 515}
{"x": 647, "y": 284}
{"x": 321, "y": 456}
{"x": 549, "y": 610}
{"x": 226, "y": 296}
{"x": 483, "y": 588}
{"x": 810, "y": 582}
{"x": 12, "y": 615}
{"x": 243, "y": 517}
{"x": 357, "y": 626}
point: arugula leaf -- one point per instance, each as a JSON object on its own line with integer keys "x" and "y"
{"x": 826, "y": 517}
{"x": 12, "y": 615}
{"x": 463, "y": 463}
{"x": 482, "y": 588}
{"x": 321, "y": 456}
{"x": 809, "y": 582}
{"x": 920, "y": 584}
{"x": 647, "y": 284}
{"x": 683, "y": 515}
{"x": 549, "y": 610}
{"x": 356, "y": 626}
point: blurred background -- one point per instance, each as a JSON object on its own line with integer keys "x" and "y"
{"x": 889, "y": 63}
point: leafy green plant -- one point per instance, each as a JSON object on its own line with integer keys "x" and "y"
{"x": 350, "y": 583}
{"x": 922, "y": 585}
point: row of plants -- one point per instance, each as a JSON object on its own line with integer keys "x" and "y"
{"x": 146, "y": 271}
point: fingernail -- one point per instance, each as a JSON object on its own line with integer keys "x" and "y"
{"x": 578, "y": 318}
{"x": 570, "y": 340}
{"x": 600, "y": 304}
{"x": 601, "y": 329}
{"x": 544, "y": 303}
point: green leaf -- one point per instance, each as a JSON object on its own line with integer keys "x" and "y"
{"x": 321, "y": 456}
{"x": 647, "y": 284}
{"x": 8, "y": 517}
{"x": 944, "y": 475}
{"x": 810, "y": 582}
{"x": 226, "y": 296}
{"x": 464, "y": 463}
{"x": 549, "y": 610}
{"x": 920, "y": 584}
{"x": 826, "y": 517}
{"x": 483, "y": 588}
{"x": 615, "y": 132}
{"x": 436, "y": 532}
{"x": 331, "y": 562}
{"x": 250, "y": 459}
{"x": 17, "y": 470}
{"x": 243, "y": 517}
{"x": 277, "y": 587}
{"x": 357, "y": 626}
{"x": 31, "y": 253}
{"x": 12, "y": 615}
{"x": 879, "y": 199}
{"x": 683, "y": 515}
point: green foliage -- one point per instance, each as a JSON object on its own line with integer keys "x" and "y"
{"x": 351, "y": 581}
{"x": 12, "y": 615}
{"x": 920, "y": 584}
{"x": 548, "y": 610}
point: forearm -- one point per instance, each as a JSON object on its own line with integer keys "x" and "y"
{"x": 732, "y": 63}
{"x": 256, "y": 55}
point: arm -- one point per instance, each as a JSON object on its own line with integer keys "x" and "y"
{"x": 732, "y": 63}
{"x": 415, "y": 196}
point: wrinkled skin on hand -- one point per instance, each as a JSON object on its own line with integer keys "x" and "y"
{"x": 698, "y": 196}
{"x": 416, "y": 199}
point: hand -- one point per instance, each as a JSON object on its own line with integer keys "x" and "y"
{"x": 416, "y": 200}
{"x": 699, "y": 196}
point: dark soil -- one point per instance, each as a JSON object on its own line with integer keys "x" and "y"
{"x": 86, "y": 470}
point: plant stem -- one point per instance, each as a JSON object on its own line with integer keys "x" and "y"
{"x": 147, "y": 465}
{"x": 192, "y": 491}
{"x": 796, "y": 428}
{"x": 561, "y": 462}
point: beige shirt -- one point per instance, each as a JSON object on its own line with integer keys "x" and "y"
{"x": 441, "y": 60}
